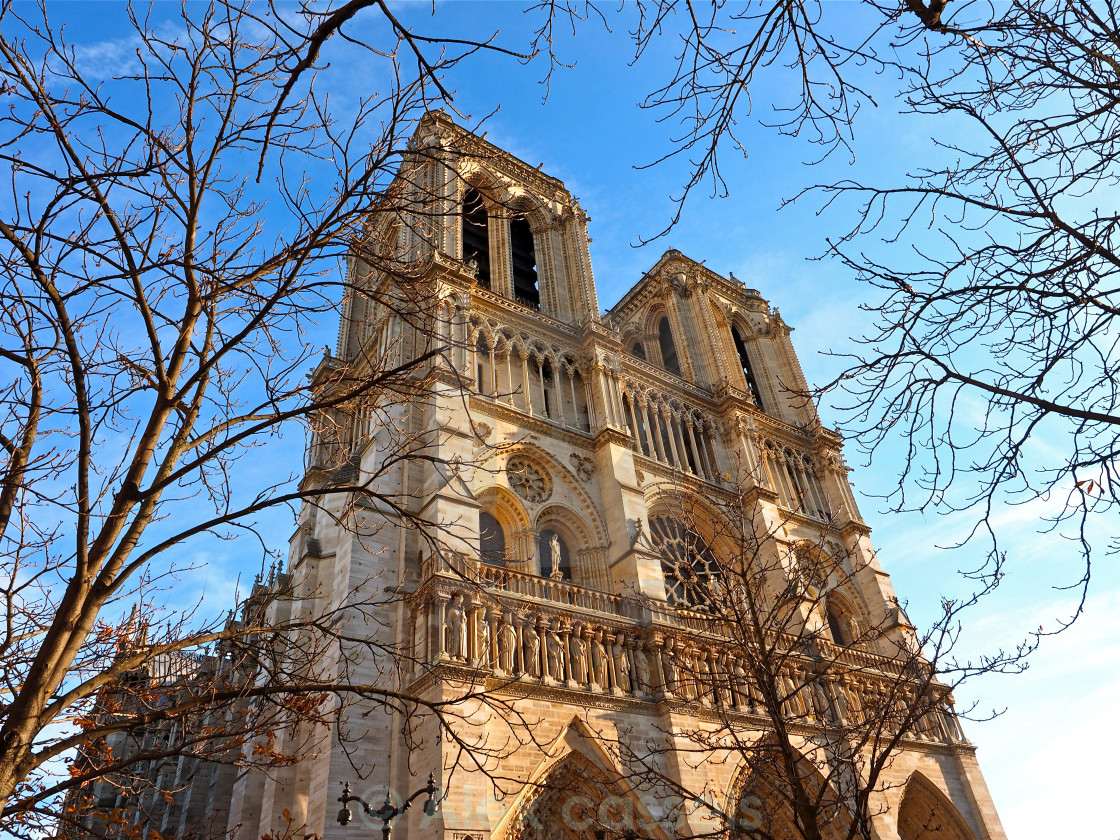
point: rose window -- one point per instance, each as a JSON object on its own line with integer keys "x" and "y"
{"x": 686, "y": 560}
{"x": 527, "y": 481}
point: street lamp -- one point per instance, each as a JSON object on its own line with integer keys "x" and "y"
{"x": 388, "y": 811}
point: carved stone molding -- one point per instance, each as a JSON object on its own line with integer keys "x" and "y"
{"x": 584, "y": 466}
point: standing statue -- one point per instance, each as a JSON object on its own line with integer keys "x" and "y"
{"x": 456, "y": 628}
{"x": 641, "y": 668}
{"x": 852, "y": 627}
{"x": 686, "y": 674}
{"x": 841, "y": 699}
{"x": 704, "y": 690}
{"x": 577, "y": 657}
{"x": 621, "y": 663}
{"x": 507, "y": 644}
{"x": 723, "y": 680}
{"x": 669, "y": 665}
{"x": 485, "y": 654}
{"x": 555, "y": 652}
{"x": 532, "y": 649}
{"x": 598, "y": 662}
{"x": 554, "y": 547}
{"x": 821, "y": 707}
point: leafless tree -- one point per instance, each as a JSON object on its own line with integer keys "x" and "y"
{"x": 994, "y": 263}
{"x": 796, "y": 687}
{"x": 172, "y": 229}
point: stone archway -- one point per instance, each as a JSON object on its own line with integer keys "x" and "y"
{"x": 575, "y": 800}
{"x": 761, "y": 802}
{"x": 927, "y": 814}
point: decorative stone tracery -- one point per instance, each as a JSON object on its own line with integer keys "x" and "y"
{"x": 527, "y": 480}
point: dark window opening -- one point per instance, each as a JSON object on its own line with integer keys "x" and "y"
{"x": 836, "y": 628}
{"x": 689, "y": 455}
{"x": 667, "y": 447}
{"x": 544, "y": 554}
{"x": 638, "y": 350}
{"x": 668, "y": 348}
{"x": 476, "y": 236}
{"x": 524, "y": 261}
{"x": 483, "y": 356}
{"x": 492, "y": 540}
{"x": 748, "y": 374}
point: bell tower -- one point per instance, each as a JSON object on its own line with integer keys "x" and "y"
{"x": 552, "y": 581}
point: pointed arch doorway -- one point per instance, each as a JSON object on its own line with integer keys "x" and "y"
{"x": 926, "y": 813}
{"x": 763, "y": 801}
{"x": 576, "y": 799}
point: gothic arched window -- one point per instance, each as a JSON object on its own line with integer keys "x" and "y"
{"x": 686, "y": 560}
{"x": 476, "y": 236}
{"x": 748, "y": 374}
{"x": 492, "y": 540}
{"x": 638, "y": 350}
{"x": 668, "y": 348}
{"x": 524, "y": 260}
{"x": 842, "y": 625}
{"x": 544, "y": 554}
{"x": 835, "y": 627}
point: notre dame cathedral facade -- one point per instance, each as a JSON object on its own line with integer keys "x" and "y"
{"x": 562, "y": 440}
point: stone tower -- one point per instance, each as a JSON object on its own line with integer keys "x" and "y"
{"x": 552, "y": 577}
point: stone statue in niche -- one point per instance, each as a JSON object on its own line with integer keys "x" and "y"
{"x": 507, "y": 643}
{"x": 484, "y": 651}
{"x": 669, "y": 664}
{"x": 555, "y": 651}
{"x": 685, "y": 684}
{"x": 641, "y": 669}
{"x": 456, "y": 628}
{"x": 723, "y": 680}
{"x": 820, "y": 700}
{"x": 851, "y": 626}
{"x": 841, "y": 699}
{"x": 532, "y": 649}
{"x": 577, "y": 659}
{"x": 743, "y": 698}
{"x": 598, "y": 662}
{"x": 554, "y": 551}
{"x": 621, "y": 663}
{"x": 527, "y": 481}
{"x": 703, "y": 672}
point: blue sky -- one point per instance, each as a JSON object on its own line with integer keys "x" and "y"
{"x": 1048, "y": 757}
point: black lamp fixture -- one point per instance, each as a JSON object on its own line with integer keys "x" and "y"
{"x": 388, "y": 811}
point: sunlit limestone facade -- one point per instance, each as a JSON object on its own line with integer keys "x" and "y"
{"x": 558, "y": 439}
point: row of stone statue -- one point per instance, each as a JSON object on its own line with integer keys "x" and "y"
{"x": 537, "y": 647}
{"x": 589, "y": 657}
{"x": 646, "y": 663}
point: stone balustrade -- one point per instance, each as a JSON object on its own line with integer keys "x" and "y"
{"x": 507, "y": 625}
{"x": 668, "y": 430}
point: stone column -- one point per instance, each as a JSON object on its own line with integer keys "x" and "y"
{"x": 526, "y": 384}
{"x": 441, "y": 600}
{"x": 700, "y": 466}
{"x": 667, "y": 417}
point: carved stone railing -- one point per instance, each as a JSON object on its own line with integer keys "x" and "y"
{"x": 501, "y": 580}
{"x": 514, "y": 627}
